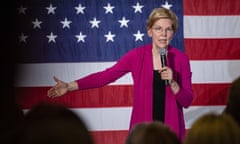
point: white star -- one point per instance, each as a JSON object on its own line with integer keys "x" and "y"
{"x": 66, "y": 23}
{"x": 108, "y": 8}
{"x": 138, "y": 8}
{"x": 80, "y": 9}
{"x": 36, "y": 24}
{"x": 139, "y": 36}
{"x": 109, "y": 36}
{"x": 95, "y": 23}
{"x": 51, "y": 9}
{"x": 22, "y": 10}
{"x": 166, "y": 5}
{"x": 123, "y": 22}
{"x": 22, "y": 38}
{"x": 51, "y": 37}
{"x": 80, "y": 37}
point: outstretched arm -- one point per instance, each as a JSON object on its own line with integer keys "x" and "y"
{"x": 61, "y": 88}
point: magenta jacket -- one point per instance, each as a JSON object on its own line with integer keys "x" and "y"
{"x": 139, "y": 62}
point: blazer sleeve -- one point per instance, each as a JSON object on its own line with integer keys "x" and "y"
{"x": 111, "y": 74}
{"x": 185, "y": 95}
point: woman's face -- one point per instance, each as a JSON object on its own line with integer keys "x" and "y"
{"x": 161, "y": 33}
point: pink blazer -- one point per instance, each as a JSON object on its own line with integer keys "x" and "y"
{"x": 139, "y": 62}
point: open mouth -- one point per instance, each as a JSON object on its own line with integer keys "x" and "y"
{"x": 163, "y": 41}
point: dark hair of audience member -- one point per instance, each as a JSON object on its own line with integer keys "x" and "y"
{"x": 152, "y": 133}
{"x": 136, "y": 133}
{"x": 213, "y": 128}
{"x": 233, "y": 102}
{"x": 48, "y": 123}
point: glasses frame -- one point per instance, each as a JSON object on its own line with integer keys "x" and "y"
{"x": 161, "y": 30}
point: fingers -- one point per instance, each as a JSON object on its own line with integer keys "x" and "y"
{"x": 57, "y": 90}
{"x": 166, "y": 73}
{"x": 51, "y": 93}
{"x": 54, "y": 92}
{"x": 56, "y": 79}
{"x": 164, "y": 69}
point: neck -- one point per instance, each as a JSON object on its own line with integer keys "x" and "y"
{"x": 155, "y": 50}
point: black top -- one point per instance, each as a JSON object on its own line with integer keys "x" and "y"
{"x": 158, "y": 97}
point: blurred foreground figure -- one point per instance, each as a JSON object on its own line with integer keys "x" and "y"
{"x": 233, "y": 102}
{"x": 213, "y": 128}
{"x": 152, "y": 133}
{"x": 53, "y": 124}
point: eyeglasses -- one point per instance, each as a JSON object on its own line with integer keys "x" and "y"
{"x": 160, "y": 30}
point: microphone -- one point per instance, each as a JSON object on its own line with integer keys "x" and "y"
{"x": 163, "y": 52}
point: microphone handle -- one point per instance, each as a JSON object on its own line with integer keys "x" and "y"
{"x": 163, "y": 60}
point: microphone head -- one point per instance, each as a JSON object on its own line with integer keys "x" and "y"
{"x": 163, "y": 51}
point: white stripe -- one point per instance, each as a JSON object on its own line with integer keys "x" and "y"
{"x": 42, "y": 74}
{"x": 194, "y": 112}
{"x": 211, "y": 27}
{"x": 100, "y": 119}
{"x": 220, "y": 71}
{"x": 106, "y": 118}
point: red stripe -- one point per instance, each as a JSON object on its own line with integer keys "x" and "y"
{"x": 211, "y": 7}
{"x": 210, "y": 94}
{"x": 114, "y": 96}
{"x": 110, "y": 137}
{"x": 107, "y": 96}
{"x": 212, "y": 49}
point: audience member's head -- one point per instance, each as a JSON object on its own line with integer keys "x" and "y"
{"x": 49, "y": 123}
{"x": 233, "y": 101}
{"x": 213, "y": 128}
{"x": 152, "y": 133}
{"x": 136, "y": 133}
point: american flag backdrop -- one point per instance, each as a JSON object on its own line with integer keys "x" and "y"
{"x": 72, "y": 38}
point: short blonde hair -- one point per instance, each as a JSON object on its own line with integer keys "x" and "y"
{"x": 212, "y": 128}
{"x": 159, "y": 13}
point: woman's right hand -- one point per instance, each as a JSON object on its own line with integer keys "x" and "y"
{"x": 60, "y": 89}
